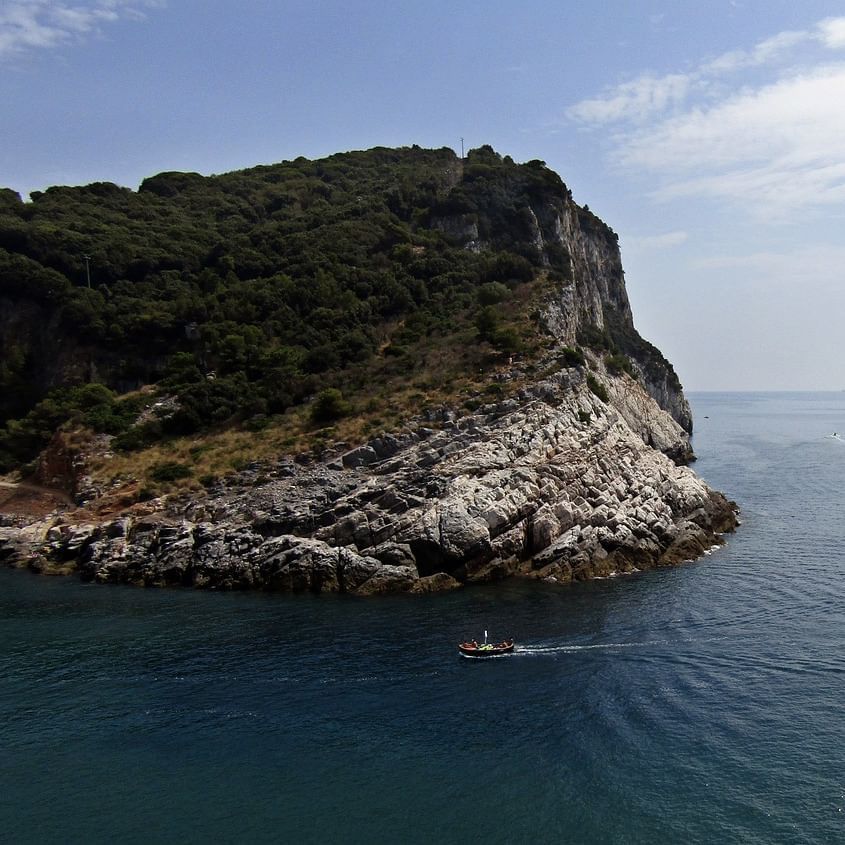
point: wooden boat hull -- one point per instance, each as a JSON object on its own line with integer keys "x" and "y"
{"x": 480, "y": 652}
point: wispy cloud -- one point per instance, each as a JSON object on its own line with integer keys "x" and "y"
{"x": 831, "y": 33}
{"x": 769, "y": 145}
{"x": 648, "y": 94}
{"x": 636, "y": 100}
{"x": 765, "y": 52}
{"x": 43, "y": 24}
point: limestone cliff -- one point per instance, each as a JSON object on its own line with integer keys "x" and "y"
{"x": 589, "y": 303}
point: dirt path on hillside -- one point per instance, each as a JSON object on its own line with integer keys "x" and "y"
{"x": 23, "y": 499}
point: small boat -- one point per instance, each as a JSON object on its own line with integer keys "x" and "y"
{"x": 485, "y": 649}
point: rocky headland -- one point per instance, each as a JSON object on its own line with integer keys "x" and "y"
{"x": 556, "y": 484}
{"x": 578, "y": 472}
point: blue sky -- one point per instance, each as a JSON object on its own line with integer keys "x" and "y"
{"x": 710, "y": 136}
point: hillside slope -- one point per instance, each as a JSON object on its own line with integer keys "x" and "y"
{"x": 245, "y": 294}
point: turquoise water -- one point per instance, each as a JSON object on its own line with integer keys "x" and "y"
{"x": 701, "y": 704}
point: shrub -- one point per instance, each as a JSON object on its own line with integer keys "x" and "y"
{"x": 597, "y": 388}
{"x": 257, "y": 423}
{"x": 507, "y": 339}
{"x": 496, "y": 389}
{"x": 138, "y": 437}
{"x": 492, "y": 293}
{"x": 487, "y": 323}
{"x": 169, "y": 471}
{"x": 595, "y": 338}
{"x": 585, "y": 417}
{"x": 618, "y": 363}
{"x": 573, "y": 357}
{"x": 329, "y": 405}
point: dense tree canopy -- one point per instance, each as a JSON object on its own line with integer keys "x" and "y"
{"x": 246, "y": 292}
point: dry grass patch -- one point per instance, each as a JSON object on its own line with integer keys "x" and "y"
{"x": 453, "y": 370}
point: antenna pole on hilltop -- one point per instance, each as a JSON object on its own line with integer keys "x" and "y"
{"x": 87, "y": 269}
{"x": 462, "y": 149}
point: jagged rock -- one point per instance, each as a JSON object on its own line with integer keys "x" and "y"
{"x": 438, "y": 583}
{"x": 360, "y": 457}
{"x": 531, "y": 492}
{"x": 394, "y": 554}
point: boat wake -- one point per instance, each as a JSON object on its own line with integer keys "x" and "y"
{"x": 531, "y": 650}
{"x": 540, "y": 649}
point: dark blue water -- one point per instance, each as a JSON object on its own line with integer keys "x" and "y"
{"x": 702, "y": 704}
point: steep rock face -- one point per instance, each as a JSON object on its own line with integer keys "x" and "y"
{"x": 596, "y": 280}
{"x": 597, "y": 298}
{"x": 590, "y": 302}
{"x": 555, "y": 484}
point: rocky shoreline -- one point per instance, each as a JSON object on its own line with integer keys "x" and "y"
{"x": 555, "y": 485}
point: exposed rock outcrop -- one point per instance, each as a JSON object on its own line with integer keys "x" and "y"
{"x": 557, "y": 485}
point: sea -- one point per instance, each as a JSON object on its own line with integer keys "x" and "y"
{"x": 698, "y": 704}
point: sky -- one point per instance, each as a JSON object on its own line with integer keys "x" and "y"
{"x": 709, "y": 135}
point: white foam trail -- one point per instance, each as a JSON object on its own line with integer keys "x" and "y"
{"x": 563, "y": 649}
{"x": 540, "y": 649}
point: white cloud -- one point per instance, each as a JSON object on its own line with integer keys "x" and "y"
{"x": 42, "y": 24}
{"x": 648, "y": 94}
{"x": 773, "y": 147}
{"x": 831, "y": 33}
{"x": 633, "y": 100}
{"x": 765, "y": 52}
{"x": 782, "y": 145}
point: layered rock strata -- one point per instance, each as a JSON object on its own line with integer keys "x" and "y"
{"x": 553, "y": 484}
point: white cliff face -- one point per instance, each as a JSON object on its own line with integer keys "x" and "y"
{"x": 595, "y": 269}
{"x": 590, "y": 297}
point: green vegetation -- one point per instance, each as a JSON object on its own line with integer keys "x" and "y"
{"x": 596, "y": 338}
{"x": 92, "y": 406}
{"x": 169, "y": 471}
{"x": 573, "y": 357}
{"x": 329, "y": 406}
{"x": 597, "y": 388}
{"x": 620, "y": 342}
{"x": 245, "y": 295}
{"x": 628, "y": 342}
{"x": 618, "y": 363}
